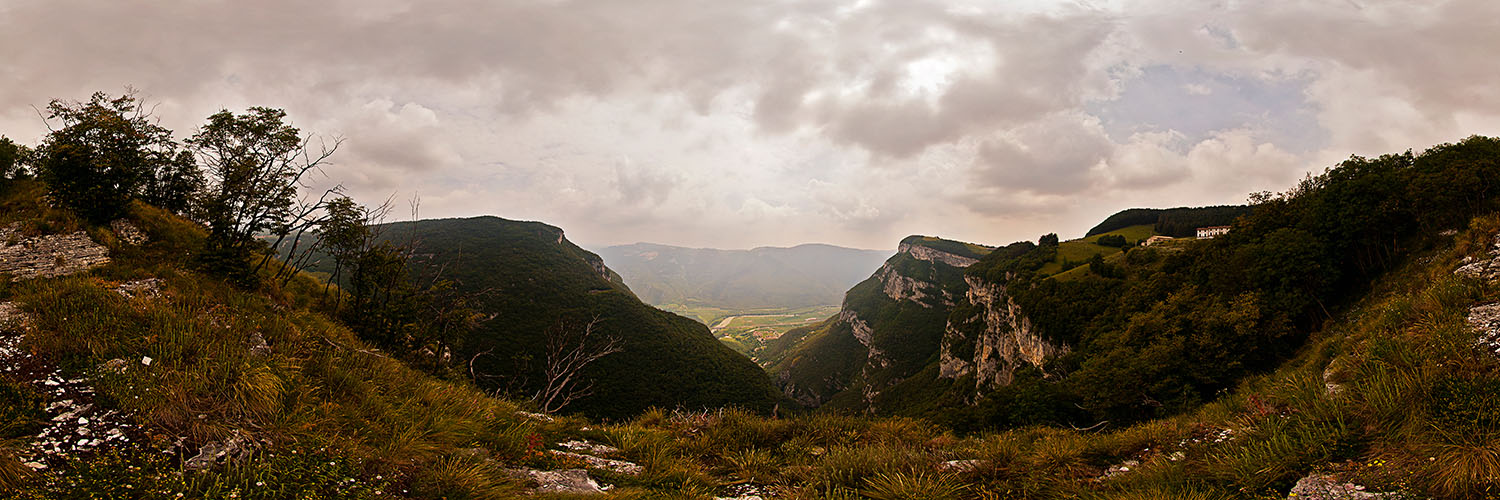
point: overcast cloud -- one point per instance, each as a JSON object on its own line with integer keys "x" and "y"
{"x": 747, "y": 123}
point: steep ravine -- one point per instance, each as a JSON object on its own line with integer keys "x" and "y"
{"x": 889, "y": 327}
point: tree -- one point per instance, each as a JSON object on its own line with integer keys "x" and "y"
{"x": 174, "y": 185}
{"x": 255, "y": 163}
{"x": 344, "y": 234}
{"x": 1111, "y": 240}
{"x": 571, "y": 347}
{"x": 104, "y": 152}
{"x": 1048, "y": 240}
{"x": 13, "y": 158}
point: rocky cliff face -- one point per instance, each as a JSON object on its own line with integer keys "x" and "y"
{"x": 888, "y": 328}
{"x": 924, "y": 289}
{"x": 930, "y": 254}
{"x": 992, "y": 340}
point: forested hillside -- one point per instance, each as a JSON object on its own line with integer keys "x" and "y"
{"x": 1164, "y": 329}
{"x": 528, "y": 281}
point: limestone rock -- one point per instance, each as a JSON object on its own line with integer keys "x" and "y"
{"x": 238, "y": 447}
{"x": 1486, "y": 268}
{"x": 258, "y": 345}
{"x": 1004, "y": 341}
{"x": 1325, "y": 487}
{"x": 615, "y": 466}
{"x": 147, "y": 288}
{"x": 540, "y": 417}
{"x": 933, "y": 255}
{"x": 1120, "y": 469}
{"x": 47, "y": 256}
{"x": 587, "y": 447}
{"x": 116, "y": 366}
{"x": 866, "y": 336}
{"x": 567, "y": 482}
{"x": 1485, "y": 320}
{"x": 127, "y": 232}
{"x": 11, "y": 316}
{"x": 961, "y": 465}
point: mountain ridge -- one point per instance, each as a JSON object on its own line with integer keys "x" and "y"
{"x": 812, "y": 274}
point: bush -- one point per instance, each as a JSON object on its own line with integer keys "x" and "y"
{"x": 1111, "y": 240}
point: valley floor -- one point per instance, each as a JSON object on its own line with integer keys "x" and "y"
{"x": 748, "y": 330}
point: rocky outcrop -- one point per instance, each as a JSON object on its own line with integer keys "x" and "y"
{"x": 865, "y": 335}
{"x": 564, "y": 482}
{"x": 995, "y": 341}
{"x": 923, "y": 292}
{"x": 235, "y": 448}
{"x": 127, "y": 232}
{"x": 1485, "y": 268}
{"x": 47, "y": 256}
{"x": 934, "y": 255}
{"x": 594, "y": 455}
{"x": 899, "y": 287}
{"x": 1485, "y": 320}
{"x": 148, "y": 288}
{"x": 1327, "y": 487}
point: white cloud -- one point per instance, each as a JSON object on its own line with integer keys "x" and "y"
{"x": 852, "y": 122}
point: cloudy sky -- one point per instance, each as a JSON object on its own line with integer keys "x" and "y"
{"x": 743, "y": 123}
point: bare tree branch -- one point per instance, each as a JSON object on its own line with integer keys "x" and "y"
{"x": 570, "y": 349}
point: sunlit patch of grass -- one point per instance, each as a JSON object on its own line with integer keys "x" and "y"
{"x": 457, "y": 478}
{"x": 1465, "y": 467}
{"x": 13, "y": 474}
{"x": 912, "y": 485}
{"x": 753, "y": 465}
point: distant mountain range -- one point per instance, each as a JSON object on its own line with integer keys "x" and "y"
{"x": 766, "y": 277}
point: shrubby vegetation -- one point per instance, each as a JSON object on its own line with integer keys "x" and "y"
{"x": 1164, "y": 331}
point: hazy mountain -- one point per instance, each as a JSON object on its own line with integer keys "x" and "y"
{"x": 800, "y": 276}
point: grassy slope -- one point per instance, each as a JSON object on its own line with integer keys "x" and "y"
{"x": 1080, "y": 250}
{"x": 325, "y": 407}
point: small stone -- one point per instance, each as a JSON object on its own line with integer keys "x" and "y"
{"x": 961, "y": 465}
{"x": 116, "y": 365}
{"x": 258, "y": 345}
{"x": 146, "y": 360}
